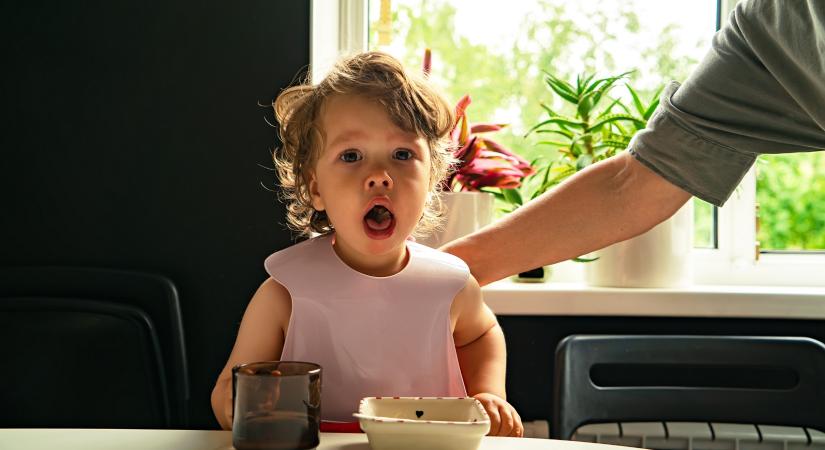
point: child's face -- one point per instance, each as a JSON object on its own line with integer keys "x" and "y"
{"x": 371, "y": 177}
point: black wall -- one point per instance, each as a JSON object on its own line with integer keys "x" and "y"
{"x": 132, "y": 137}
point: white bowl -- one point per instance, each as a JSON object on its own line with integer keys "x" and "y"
{"x": 434, "y": 423}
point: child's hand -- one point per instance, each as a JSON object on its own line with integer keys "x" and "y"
{"x": 504, "y": 420}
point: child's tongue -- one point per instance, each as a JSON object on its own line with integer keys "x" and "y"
{"x": 378, "y": 226}
{"x": 378, "y": 219}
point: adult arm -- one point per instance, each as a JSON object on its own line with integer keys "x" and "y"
{"x": 605, "y": 203}
{"x": 760, "y": 89}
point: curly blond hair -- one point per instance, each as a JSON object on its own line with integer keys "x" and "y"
{"x": 411, "y": 103}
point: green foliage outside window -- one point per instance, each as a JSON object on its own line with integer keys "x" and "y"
{"x": 790, "y": 190}
{"x": 513, "y": 80}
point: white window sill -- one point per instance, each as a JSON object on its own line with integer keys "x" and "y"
{"x": 575, "y": 299}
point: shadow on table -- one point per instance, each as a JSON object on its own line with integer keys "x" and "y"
{"x": 357, "y": 446}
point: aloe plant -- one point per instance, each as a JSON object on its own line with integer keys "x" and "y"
{"x": 600, "y": 127}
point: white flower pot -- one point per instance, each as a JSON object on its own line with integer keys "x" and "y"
{"x": 659, "y": 258}
{"x": 464, "y": 213}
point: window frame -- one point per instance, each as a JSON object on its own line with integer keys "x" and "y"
{"x": 340, "y": 27}
{"x": 337, "y": 28}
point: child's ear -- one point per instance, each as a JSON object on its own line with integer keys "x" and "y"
{"x": 317, "y": 201}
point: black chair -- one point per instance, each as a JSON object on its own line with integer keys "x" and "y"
{"x": 726, "y": 379}
{"x": 96, "y": 348}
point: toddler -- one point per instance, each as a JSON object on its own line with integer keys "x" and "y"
{"x": 363, "y": 153}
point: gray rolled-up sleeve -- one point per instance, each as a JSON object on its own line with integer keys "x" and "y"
{"x": 760, "y": 89}
{"x": 671, "y": 147}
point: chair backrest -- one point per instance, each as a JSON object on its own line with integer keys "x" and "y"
{"x": 735, "y": 379}
{"x": 86, "y": 347}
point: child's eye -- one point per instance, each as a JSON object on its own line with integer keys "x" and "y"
{"x": 350, "y": 156}
{"x": 403, "y": 154}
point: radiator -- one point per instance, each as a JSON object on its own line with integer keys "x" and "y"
{"x": 702, "y": 436}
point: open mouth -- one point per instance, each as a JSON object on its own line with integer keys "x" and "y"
{"x": 379, "y": 222}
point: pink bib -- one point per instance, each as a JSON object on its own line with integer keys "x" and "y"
{"x": 387, "y": 336}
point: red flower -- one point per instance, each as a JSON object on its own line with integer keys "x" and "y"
{"x": 482, "y": 162}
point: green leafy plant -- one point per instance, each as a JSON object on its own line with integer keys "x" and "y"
{"x": 599, "y": 127}
{"x": 790, "y": 192}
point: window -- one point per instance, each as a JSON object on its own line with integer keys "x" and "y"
{"x": 502, "y": 70}
{"x": 496, "y": 54}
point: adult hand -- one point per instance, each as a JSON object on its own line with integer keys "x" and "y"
{"x": 504, "y": 420}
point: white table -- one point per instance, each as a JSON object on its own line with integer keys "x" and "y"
{"x": 92, "y": 439}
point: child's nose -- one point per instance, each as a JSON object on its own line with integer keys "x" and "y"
{"x": 378, "y": 179}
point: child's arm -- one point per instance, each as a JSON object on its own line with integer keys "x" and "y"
{"x": 482, "y": 356}
{"x": 260, "y": 338}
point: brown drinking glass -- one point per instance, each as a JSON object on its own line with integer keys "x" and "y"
{"x": 276, "y": 405}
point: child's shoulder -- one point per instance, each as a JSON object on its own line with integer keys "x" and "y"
{"x": 444, "y": 266}
{"x": 297, "y": 252}
{"x": 435, "y": 256}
